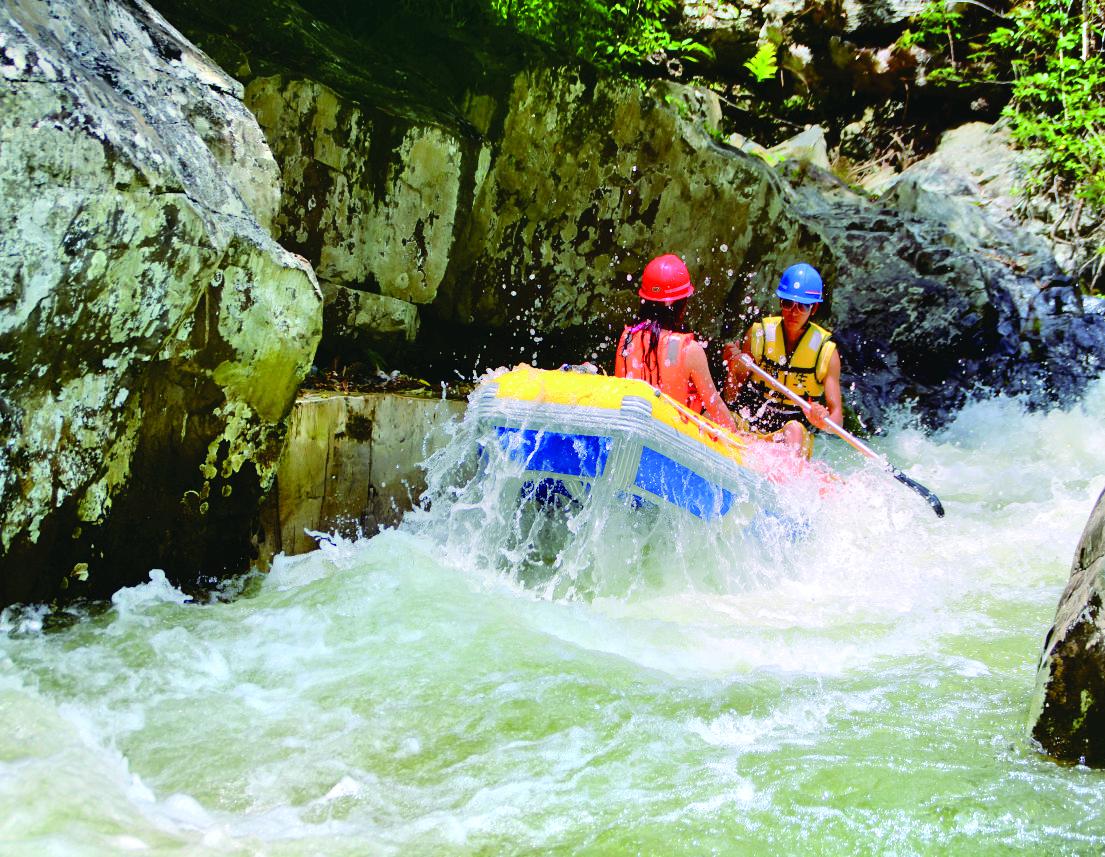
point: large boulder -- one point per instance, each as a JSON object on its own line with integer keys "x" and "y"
{"x": 589, "y": 180}
{"x": 972, "y": 180}
{"x": 152, "y": 333}
{"x": 373, "y": 199}
{"x": 964, "y": 196}
{"x": 1068, "y": 708}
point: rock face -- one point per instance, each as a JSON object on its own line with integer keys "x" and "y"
{"x": 352, "y": 464}
{"x": 373, "y": 213}
{"x": 590, "y": 180}
{"x": 152, "y": 334}
{"x": 931, "y": 297}
{"x": 1068, "y": 709}
{"x": 513, "y": 217}
{"x": 370, "y": 199}
{"x": 1009, "y": 318}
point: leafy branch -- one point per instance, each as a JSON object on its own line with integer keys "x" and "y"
{"x": 764, "y": 64}
{"x": 1051, "y": 53}
{"x": 615, "y": 36}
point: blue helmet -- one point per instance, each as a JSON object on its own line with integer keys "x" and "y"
{"x": 801, "y": 283}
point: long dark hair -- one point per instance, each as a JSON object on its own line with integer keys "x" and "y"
{"x": 654, "y": 317}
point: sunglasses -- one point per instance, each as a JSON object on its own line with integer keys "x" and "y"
{"x": 786, "y": 303}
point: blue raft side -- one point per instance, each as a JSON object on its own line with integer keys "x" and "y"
{"x": 555, "y": 452}
{"x": 586, "y": 456}
{"x": 681, "y": 486}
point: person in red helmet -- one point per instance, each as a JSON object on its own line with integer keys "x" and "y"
{"x": 659, "y": 349}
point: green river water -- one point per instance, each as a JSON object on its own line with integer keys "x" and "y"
{"x": 645, "y": 686}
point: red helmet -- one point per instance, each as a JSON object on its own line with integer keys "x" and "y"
{"x": 666, "y": 279}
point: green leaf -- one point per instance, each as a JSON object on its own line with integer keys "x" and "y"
{"x": 764, "y": 64}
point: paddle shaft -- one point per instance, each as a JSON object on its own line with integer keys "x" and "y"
{"x": 846, "y": 436}
{"x": 837, "y": 429}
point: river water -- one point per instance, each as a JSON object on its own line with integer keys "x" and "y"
{"x": 644, "y": 686}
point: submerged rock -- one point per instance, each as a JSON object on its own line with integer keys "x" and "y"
{"x": 152, "y": 333}
{"x": 1068, "y": 708}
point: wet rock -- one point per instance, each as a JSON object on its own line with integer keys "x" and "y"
{"x": 967, "y": 186}
{"x": 152, "y": 334}
{"x": 972, "y": 179}
{"x": 353, "y": 464}
{"x": 365, "y": 327}
{"x": 1067, "y": 716}
{"x": 592, "y": 178}
{"x": 368, "y": 198}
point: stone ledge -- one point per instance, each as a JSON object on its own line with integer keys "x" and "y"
{"x": 351, "y": 465}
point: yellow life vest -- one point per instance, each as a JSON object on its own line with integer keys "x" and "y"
{"x": 805, "y": 371}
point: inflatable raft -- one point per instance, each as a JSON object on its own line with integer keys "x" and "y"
{"x": 578, "y": 436}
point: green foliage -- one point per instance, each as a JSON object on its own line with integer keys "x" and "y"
{"x": 613, "y": 35}
{"x": 1051, "y": 53}
{"x": 1058, "y": 102}
{"x": 716, "y": 134}
{"x": 938, "y": 26}
{"x": 764, "y": 65}
{"x": 678, "y": 105}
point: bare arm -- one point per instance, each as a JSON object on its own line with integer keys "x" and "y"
{"x": 736, "y": 373}
{"x": 704, "y": 384}
{"x": 834, "y": 400}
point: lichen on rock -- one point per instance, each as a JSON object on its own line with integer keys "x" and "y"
{"x": 368, "y": 197}
{"x": 147, "y": 315}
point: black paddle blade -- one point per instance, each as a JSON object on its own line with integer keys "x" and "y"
{"x": 930, "y": 498}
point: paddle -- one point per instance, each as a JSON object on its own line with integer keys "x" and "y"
{"x": 848, "y": 437}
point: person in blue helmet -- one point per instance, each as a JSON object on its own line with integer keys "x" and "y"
{"x": 800, "y": 354}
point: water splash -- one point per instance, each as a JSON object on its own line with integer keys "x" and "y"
{"x": 446, "y": 687}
